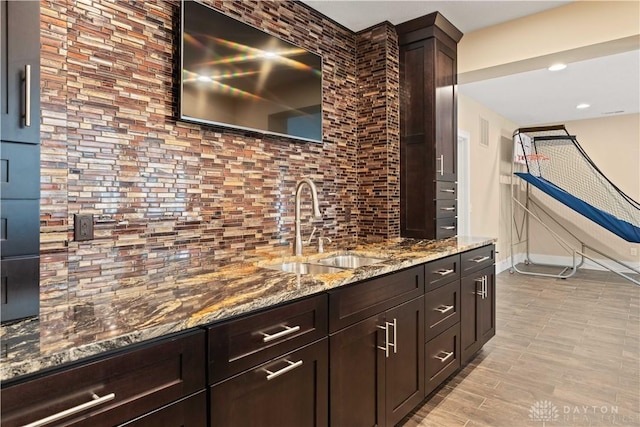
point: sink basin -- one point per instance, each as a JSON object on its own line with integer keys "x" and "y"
{"x": 305, "y": 268}
{"x": 349, "y": 261}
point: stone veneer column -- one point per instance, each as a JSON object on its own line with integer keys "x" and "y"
{"x": 378, "y": 132}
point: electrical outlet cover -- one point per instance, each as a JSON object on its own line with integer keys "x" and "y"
{"x": 82, "y": 227}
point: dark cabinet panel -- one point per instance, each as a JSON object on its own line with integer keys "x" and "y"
{"x": 428, "y": 126}
{"x": 188, "y": 412}
{"x": 377, "y": 367}
{"x": 20, "y": 287}
{"x": 358, "y": 374}
{"x": 442, "y": 357}
{"x": 353, "y": 303}
{"x": 404, "y": 383}
{"x": 130, "y": 384}
{"x": 478, "y": 311}
{"x": 290, "y": 391}
{"x": 19, "y": 171}
{"x": 239, "y": 344}
{"x": 442, "y": 271}
{"x": 19, "y": 228}
{"x": 442, "y": 309}
{"x": 20, "y": 72}
{"x": 477, "y": 259}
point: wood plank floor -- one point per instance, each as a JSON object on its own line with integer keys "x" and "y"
{"x": 566, "y": 353}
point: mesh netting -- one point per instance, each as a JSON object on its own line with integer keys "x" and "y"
{"x": 557, "y": 157}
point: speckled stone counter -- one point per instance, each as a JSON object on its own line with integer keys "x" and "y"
{"x": 33, "y": 345}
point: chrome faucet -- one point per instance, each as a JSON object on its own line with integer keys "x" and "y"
{"x": 297, "y": 244}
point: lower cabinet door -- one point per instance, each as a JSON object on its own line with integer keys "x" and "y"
{"x": 404, "y": 371}
{"x": 289, "y": 391}
{"x": 358, "y": 374}
{"x": 188, "y": 412}
{"x": 470, "y": 307}
{"x": 488, "y": 305}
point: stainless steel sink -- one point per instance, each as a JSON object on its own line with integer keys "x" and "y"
{"x": 349, "y": 261}
{"x": 305, "y": 268}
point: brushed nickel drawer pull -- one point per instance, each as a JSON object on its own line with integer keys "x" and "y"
{"x": 444, "y": 309}
{"x": 386, "y": 339}
{"x": 97, "y": 400}
{"x": 480, "y": 259}
{"x": 448, "y": 227}
{"x": 444, "y": 272}
{"x": 395, "y": 335}
{"x": 448, "y": 355}
{"x": 441, "y": 164}
{"x": 287, "y": 331}
{"x": 27, "y": 95}
{"x": 447, "y": 190}
{"x": 448, "y": 209}
{"x": 290, "y": 367}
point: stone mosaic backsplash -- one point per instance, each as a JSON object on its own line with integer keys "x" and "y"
{"x": 168, "y": 194}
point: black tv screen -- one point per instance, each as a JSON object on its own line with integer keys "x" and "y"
{"x": 233, "y": 74}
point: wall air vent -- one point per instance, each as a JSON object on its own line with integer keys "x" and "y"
{"x": 484, "y": 132}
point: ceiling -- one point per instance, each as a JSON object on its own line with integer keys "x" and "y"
{"x": 610, "y": 83}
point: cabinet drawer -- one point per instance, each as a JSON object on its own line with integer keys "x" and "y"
{"x": 141, "y": 381}
{"x": 442, "y": 309}
{"x": 446, "y": 227}
{"x": 291, "y": 390}
{"x": 446, "y": 208}
{"x": 188, "y": 412}
{"x": 442, "y": 357}
{"x": 240, "y": 344}
{"x": 20, "y": 228}
{"x": 442, "y": 271}
{"x": 19, "y": 171}
{"x": 477, "y": 259}
{"x": 351, "y": 304}
{"x": 446, "y": 190}
{"x": 20, "y": 287}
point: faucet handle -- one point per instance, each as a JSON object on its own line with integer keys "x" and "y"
{"x": 321, "y": 239}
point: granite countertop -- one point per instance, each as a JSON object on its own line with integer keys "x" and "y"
{"x": 32, "y": 345}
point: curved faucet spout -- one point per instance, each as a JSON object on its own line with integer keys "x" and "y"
{"x": 297, "y": 244}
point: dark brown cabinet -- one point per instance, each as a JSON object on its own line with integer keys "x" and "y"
{"x": 188, "y": 412}
{"x": 20, "y": 158}
{"x": 114, "y": 389}
{"x": 478, "y": 302}
{"x": 428, "y": 127}
{"x": 271, "y": 368}
{"x": 20, "y": 42}
{"x": 377, "y": 364}
{"x": 289, "y": 391}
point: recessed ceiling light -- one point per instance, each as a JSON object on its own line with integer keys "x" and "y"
{"x": 204, "y": 79}
{"x": 583, "y": 106}
{"x": 557, "y": 67}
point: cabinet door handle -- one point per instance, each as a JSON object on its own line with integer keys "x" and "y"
{"x": 444, "y": 309}
{"x": 485, "y": 280}
{"x": 386, "y": 339}
{"x": 447, "y": 190}
{"x": 447, "y": 355}
{"x": 448, "y": 227}
{"x": 443, "y": 272}
{"x": 448, "y": 209}
{"x": 290, "y": 367}
{"x": 395, "y": 335}
{"x": 286, "y": 331}
{"x": 441, "y": 164}
{"x": 27, "y": 95}
{"x": 97, "y": 400}
{"x": 479, "y": 259}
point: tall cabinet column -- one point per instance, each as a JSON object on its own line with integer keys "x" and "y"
{"x": 20, "y": 159}
{"x": 428, "y": 127}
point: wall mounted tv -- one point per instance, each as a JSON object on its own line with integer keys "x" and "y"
{"x": 235, "y": 75}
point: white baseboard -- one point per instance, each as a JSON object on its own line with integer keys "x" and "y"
{"x": 566, "y": 261}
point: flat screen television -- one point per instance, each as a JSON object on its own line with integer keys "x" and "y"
{"x": 233, "y": 74}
